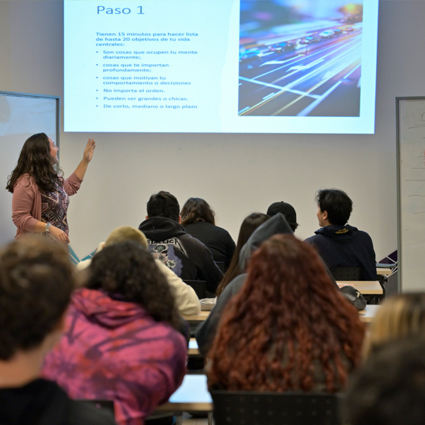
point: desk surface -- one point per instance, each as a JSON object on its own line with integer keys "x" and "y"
{"x": 192, "y": 395}
{"x": 367, "y": 315}
{"x": 193, "y": 349}
{"x": 365, "y": 287}
{"x": 201, "y": 317}
{"x": 384, "y": 271}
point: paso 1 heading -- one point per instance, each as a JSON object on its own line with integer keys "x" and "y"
{"x": 102, "y": 10}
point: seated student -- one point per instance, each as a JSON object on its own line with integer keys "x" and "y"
{"x": 288, "y": 328}
{"x": 338, "y": 243}
{"x": 36, "y": 281}
{"x": 206, "y": 330}
{"x": 389, "y": 388}
{"x": 198, "y": 219}
{"x": 187, "y": 257}
{"x": 121, "y": 342}
{"x": 249, "y": 224}
{"x": 398, "y": 316}
{"x": 287, "y": 210}
{"x": 187, "y": 302}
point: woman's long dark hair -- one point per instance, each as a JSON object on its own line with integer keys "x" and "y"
{"x": 250, "y": 223}
{"x": 35, "y": 160}
{"x": 129, "y": 270}
{"x": 197, "y": 209}
{"x": 289, "y": 328}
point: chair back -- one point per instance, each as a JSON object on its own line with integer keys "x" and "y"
{"x": 347, "y": 273}
{"x": 272, "y": 408}
{"x": 200, "y": 287}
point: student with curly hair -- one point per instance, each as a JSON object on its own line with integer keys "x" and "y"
{"x": 288, "y": 328}
{"x": 121, "y": 342}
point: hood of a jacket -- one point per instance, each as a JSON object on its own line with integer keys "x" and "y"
{"x": 110, "y": 311}
{"x": 273, "y": 226}
{"x": 159, "y": 229}
{"x": 343, "y": 234}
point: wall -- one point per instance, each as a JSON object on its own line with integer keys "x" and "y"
{"x": 236, "y": 173}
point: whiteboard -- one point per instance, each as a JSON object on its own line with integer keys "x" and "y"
{"x": 410, "y": 119}
{"x": 21, "y": 115}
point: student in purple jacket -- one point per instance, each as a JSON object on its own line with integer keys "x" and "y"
{"x": 40, "y": 194}
{"x": 121, "y": 341}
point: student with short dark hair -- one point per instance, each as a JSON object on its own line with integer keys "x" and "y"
{"x": 186, "y": 256}
{"x": 338, "y": 243}
{"x": 36, "y": 281}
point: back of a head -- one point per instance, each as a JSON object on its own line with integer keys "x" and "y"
{"x": 287, "y": 210}
{"x": 36, "y": 281}
{"x": 129, "y": 271}
{"x": 336, "y": 203}
{"x": 398, "y": 316}
{"x": 126, "y": 233}
{"x": 389, "y": 388}
{"x": 35, "y": 160}
{"x": 197, "y": 209}
{"x": 163, "y": 204}
{"x": 248, "y": 226}
{"x": 282, "y": 311}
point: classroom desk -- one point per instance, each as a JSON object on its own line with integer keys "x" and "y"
{"x": 365, "y": 287}
{"x": 384, "y": 271}
{"x": 193, "y": 349}
{"x": 201, "y": 317}
{"x": 191, "y": 396}
{"x": 367, "y": 315}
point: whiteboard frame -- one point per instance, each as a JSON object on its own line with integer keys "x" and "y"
{"x": 54, "y": 120}
{"x": 398, "y": 100}
{"x": 41, "y": 96}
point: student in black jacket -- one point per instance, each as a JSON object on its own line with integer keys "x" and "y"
{"x": 198, "y": 219}
{"x": 338, "y": 243}
{"x": 186, "y": 256}
{"x": 36, "y": 281}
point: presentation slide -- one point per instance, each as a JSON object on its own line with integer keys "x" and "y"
{"x": 220, "y": 66}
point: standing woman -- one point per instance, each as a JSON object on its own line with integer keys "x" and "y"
{"x": 40, "y": 194}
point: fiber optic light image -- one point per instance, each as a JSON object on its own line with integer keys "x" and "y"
{"x": 300, "y": 58}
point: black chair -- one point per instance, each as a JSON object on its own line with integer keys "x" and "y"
{"x": 107, "y": 405}
{"x": 347, "y": 273}
{"x": 200, "y": 287}
{"x": 271, "y": 408}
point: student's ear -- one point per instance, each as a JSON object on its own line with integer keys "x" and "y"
{"x": 180, "y": 219}
{"x": 53, "y": 337}
{"x": 147, "y": 217}
{"x": 60, "y": 325}
{"x": 325, "y": 215}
